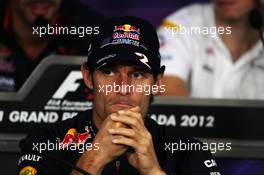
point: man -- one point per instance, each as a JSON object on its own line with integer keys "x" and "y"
{"x": 211, "y": 51}
{"x": 22, "y": 47}
{"x": 119, "y": 137}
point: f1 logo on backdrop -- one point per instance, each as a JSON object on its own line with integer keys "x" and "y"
{"x": 70, "y": 84}
{"x": 68, "y": 96}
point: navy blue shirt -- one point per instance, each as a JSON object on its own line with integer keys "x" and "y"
{"x": 81, "y": 129}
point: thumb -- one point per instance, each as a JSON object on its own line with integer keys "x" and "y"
{"x": 135, "y": 109}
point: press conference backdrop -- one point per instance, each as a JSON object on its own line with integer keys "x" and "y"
{"x": 55, "y": 92}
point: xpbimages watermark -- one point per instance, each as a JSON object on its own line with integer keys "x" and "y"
{"x": 56, "y": 146}
{"x": 146, "y": 89}
{"x": 197, "y": 146}
{"x": 211, "y": 31}
{"x": 81, "y": 31}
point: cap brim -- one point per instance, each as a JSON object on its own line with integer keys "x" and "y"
{"x": 128, "y": 57}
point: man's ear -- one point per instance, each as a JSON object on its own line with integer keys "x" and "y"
{"x": 87, "y": 76}
{"x": 159, "y": 84}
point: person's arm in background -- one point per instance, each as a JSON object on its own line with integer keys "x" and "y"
{"x": 262, "y": 7}
{"x": 176, "y": 55}
{"x": 262, "y": 12}
{"x": 174, "y": 86}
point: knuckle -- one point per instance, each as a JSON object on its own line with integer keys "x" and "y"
{"x": 138, "y": 116}
{"x": 134, "y": 121}
{"x": 133, "y": 133}
{"x": 132, "y": 143}
{"x": 139, "y": 119}
{"x": 144, "y": 149}
{"x": 148, "y": 136}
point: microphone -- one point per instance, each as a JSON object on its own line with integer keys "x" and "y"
{"x": 256, "y": 22}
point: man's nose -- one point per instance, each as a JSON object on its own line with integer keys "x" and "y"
{"x": 124, "y": 84}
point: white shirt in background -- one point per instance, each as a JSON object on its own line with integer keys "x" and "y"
{"x": 201, "y": 59}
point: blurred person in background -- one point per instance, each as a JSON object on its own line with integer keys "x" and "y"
{"x": 22, "y": 48}
{"x": 212, "y": 51}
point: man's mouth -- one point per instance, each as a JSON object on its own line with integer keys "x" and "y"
{"x": 120, "y": 105}
{"x": 226, "y": 3}
{"x": 40, "y": 9}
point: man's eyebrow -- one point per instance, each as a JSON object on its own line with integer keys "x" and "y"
{"x": 116, "y": 67}
{"x": 140, "y": 69}
{"x": 108, "y": 67}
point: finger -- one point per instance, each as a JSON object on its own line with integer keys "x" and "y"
{"x": 139, "y": 148}
{"x": 130, "y": 113}
{"x": 126, "y": 120}
{"x": 125, "y": 141}
{"x": 135, "y": 109}
{"x": 116, "y": 124}
{"x": 123, "y": 131}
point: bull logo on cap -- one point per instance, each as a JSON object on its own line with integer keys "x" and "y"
{"x": 126, "y": 34}
{"x": 127, "y": 28}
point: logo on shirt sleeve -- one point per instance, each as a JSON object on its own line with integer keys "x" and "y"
{"x": 215, "y": 173}
{"x": 28, "y": 170}
{"x": 29, "y": 157}
{"x": 210, "y": 163}
{"x": 73, "y": 137}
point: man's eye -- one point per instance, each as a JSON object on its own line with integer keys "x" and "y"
{"x": 138, "y": 75}
{"x": 108, "y": 72}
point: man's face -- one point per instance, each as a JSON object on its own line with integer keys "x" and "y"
{"x": 118, "y": 80}
{"x": 29, "y": 10}
{"x": 233, "y": 10}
